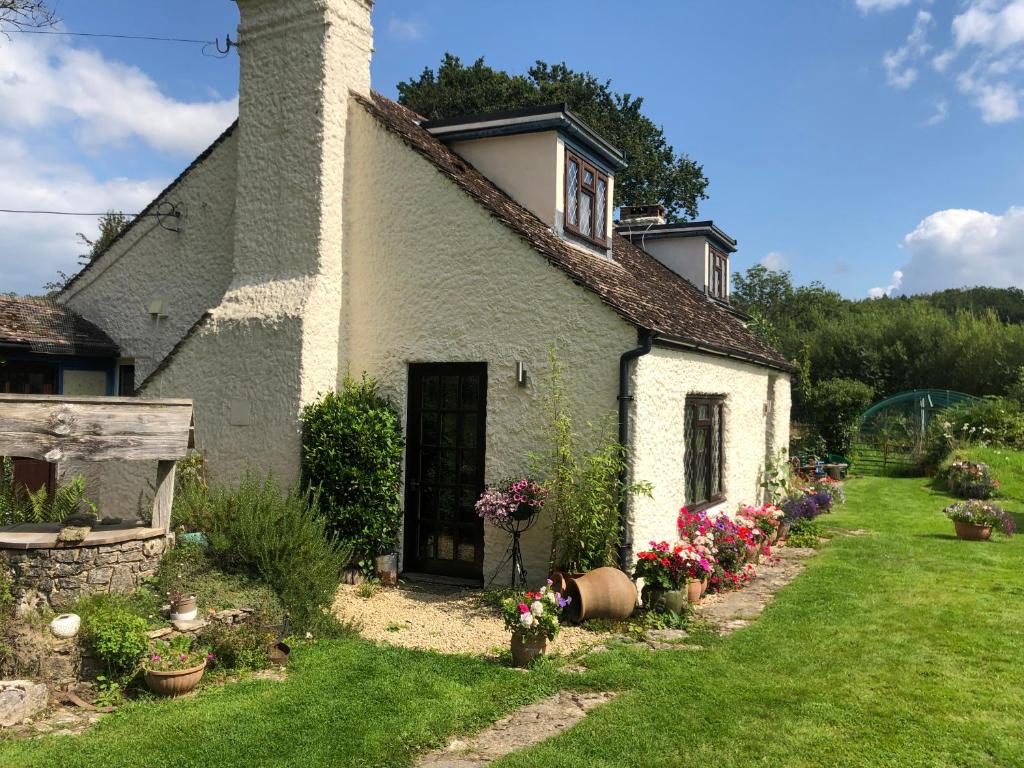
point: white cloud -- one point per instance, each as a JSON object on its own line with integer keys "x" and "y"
{"x": 774, "y": 260}
{"x": 900, "y": 71}
{"x": 941, "y": 113}
{"x": 405, "y": 29}
{"x": 34, "y": 248}
{"x": 897, "y": 281}
{"x": 958, "y": 247}
{"x": 48, "y": 82}
{"x": 986, "y": 38}
{"x": 867, "y": 6}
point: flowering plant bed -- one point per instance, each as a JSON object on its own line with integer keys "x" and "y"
{"x": 970, "y": 480}
{"x": 173, "y": 668}
{"x": 833, "y": 488}
{"x": 661, "y": 566}
{"x": 975, "y": 519}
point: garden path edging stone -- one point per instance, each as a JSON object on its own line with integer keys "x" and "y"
{"x": 523, "y": 728}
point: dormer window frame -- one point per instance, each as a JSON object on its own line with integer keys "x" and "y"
{"x": 718, "y": 274}
{"x": 591, "y": 193}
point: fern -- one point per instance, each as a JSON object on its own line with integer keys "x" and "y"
{"x": 19, "y": 505}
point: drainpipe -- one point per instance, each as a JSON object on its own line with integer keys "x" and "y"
{"x": 625, "y": 398}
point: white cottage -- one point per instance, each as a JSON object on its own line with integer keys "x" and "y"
{"x": 331, "y": 230}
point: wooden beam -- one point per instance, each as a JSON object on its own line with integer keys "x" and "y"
{"x": 163, "y": 502}
{"x": 54, "y": 428}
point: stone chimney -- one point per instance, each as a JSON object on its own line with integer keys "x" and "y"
{"x": 273, "y": 342}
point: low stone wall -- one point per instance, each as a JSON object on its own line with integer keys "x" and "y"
{"x": 59, "y": 576}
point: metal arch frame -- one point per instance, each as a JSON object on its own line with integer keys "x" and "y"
{"x": 947, "y": 397}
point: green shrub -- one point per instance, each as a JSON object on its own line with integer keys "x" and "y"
{"x": 804, "y": 533}
{"x": 352, "y": 454}
{"x": 114, "y": 633}
{"x": 282, "y": 538}
{"x": 191, "y": 493}
{"x": 834, "y": 406}
{"x": 996, "y": 421}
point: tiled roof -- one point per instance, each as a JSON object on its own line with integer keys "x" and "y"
{"x": 45, "y": 327}
{"x": 636, "y": 285}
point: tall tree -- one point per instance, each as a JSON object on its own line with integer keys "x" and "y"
{"x": 656, "y": 172}
{"x": 25, "y": 14}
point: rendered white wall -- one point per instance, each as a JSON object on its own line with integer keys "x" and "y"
{"x": 686, "y": 256}
{"x": 444, "y": 282}
{"x": 525, "y": 167}
{"x": 662, "y": 380}
{"x": 188, "y": 271}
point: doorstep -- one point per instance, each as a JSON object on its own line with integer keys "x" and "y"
{"x": 448, "y": 581}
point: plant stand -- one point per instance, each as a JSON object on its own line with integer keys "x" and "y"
{"x": 517, "y": 526}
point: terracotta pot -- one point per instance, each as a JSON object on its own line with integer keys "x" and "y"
{"x": 279, "y": 653}
{"x": 387, "y": 569}
{"x": 174, "y": 682}
{"x": 784, "y": 527}
{"x": 694, "y": 590}
{"x": 704, "y": 585}
{"x": 604, "y": 593}
{"x": 560, "y": 581}
{"x": 971, "y": 531}
{"x": 753, "y": 553}
{"x": 527, "y": 648}
{"x": 184, "y": 609}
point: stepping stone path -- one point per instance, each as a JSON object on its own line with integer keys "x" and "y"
{"x": 523, "y": 728}
{"x": 734, "y": 610}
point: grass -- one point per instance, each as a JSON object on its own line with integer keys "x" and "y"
{"x": 902, "y": 647}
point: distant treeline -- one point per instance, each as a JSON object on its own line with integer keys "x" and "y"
{"x": 851, "y": 353}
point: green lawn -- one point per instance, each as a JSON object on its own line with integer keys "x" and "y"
{"x": 901, "y": 647}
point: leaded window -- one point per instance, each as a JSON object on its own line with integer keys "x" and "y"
{"x": 719, "y": 275}
{"x": 586, "y": 200}
{"x": 704, "y": 430}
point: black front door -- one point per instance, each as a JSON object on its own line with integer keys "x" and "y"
{"x": 445, "y": 468}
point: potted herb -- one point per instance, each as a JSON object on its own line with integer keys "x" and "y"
{"x": 974, "y": 519}
{"x": 664, "y": 571}
{"x": 533, "y": 619}
{"x": 173, "y": 668}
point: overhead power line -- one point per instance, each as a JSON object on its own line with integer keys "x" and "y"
{"x": 166, "y": 213}
{"x": 113, "y": 36}
{"x": 207, "y": 44}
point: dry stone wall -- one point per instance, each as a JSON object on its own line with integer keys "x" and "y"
{"x": 59, "y": 577}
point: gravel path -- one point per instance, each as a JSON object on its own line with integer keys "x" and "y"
{"x": 440, "y": 618}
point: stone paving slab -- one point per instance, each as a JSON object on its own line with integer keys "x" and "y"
{"x": 523, "y": 728}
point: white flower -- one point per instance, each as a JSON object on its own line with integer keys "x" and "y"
{"x": 537, "y": 609}
{"x": 526, "y": 619}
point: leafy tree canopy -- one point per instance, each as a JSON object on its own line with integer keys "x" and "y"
{"x": 656, "y": 173}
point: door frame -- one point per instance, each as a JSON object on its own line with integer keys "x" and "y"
{"x": 410, "y": 527}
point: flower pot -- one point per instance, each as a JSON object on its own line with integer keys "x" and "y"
{"x": 693, "y": 592}
{"x": 66, "y": 625}
{"x": 184, "y": 609}
{"x": 279, "y": 653}
{"x": 526, "y": 648}
{"x": 560, "y": 581}
{"x": 174, "y": 682}
{"x": 387, "y": 569}
{"x": 604, "y": 593}
{"x": 704, "y": 585}
{"x": 753, "y": 553}
{"x": 784, "y": 527}
{"x": 972, "y": 531}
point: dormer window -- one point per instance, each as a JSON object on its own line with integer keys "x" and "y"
{"x": 719, "y": 283}
{"x": 586, "y": 200}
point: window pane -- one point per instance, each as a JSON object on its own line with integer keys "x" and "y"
{"x": 602, "y": 206}
{"x": 586, "y": 204}
{"x": 572, "y": 190}
{"x": 715, "y": 462}
{"x": 588, "y": 178}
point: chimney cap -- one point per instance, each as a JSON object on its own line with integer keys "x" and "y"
{"x": 653, "y": 213}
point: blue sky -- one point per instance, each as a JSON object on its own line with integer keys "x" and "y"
{"x": 844, "y": 140}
